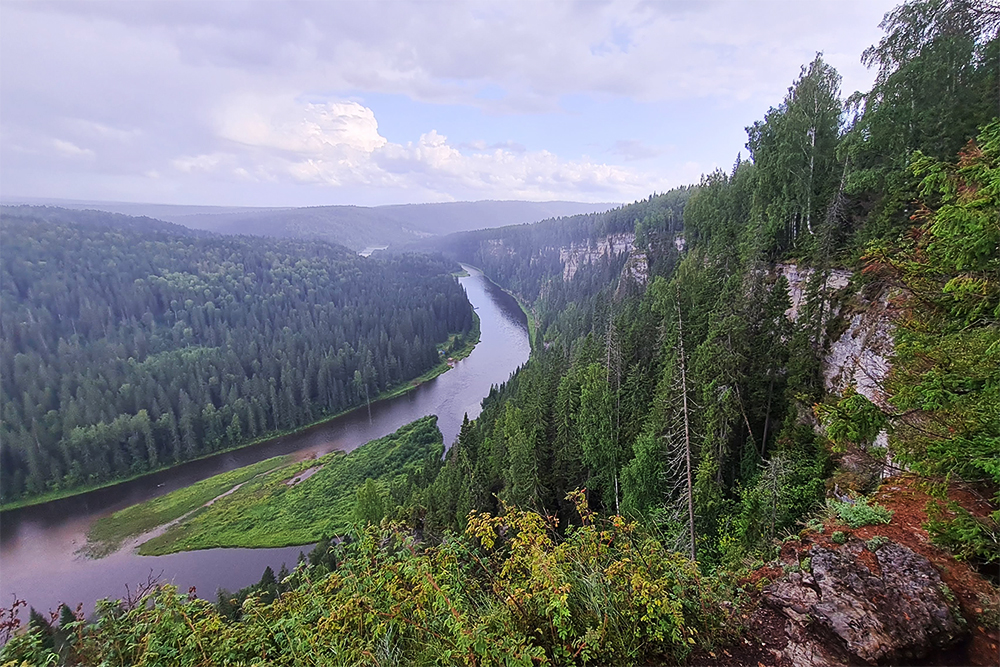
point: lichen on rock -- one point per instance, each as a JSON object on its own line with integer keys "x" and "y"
{"x": 895, "y": 613}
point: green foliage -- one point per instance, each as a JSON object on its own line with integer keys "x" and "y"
{"x": 773, "y": 501}
{"x": 303, "y": 502}
{"x": 860, "y": 512}
{"x": 506, "y": 592}
{"x": 108, "y": 533}
{"x": 876, "y": 543}
{"x": 369, "y": 507}
{"x": 969, "y": 537}
{"x": 600, "y": 403}
{"x": 945, "y": 380}
{"x": 794, "y": 153}
{"x": 853, "y": 420}
{"x": 127, "y": 346}
{"x": 937, "y": 83}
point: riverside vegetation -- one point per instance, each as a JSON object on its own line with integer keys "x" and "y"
{"x": 131, "y": 345}
{"x": 682, "y": 398}
{"x": 303, "y": 502}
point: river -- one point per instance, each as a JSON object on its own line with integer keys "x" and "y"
{"x": 39, "y": 559}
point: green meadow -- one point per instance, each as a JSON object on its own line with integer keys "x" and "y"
{"x": 275, "y": 510}
{"x": 108, "y": 534}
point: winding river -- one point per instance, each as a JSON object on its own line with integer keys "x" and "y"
{"x": 39, "y": 559}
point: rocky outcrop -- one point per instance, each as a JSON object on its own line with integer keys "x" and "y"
{"x": 576, "y": 255}
{"x": 798, "y": 281}
{"x": 636, "y": 268}
{"x": 854, "y": 606}
{"x": 859, "y": 355}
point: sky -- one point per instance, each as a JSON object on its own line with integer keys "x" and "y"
{"x": 339, "y": 102}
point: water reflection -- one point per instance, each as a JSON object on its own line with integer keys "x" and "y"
{"x": 38, "y": 545}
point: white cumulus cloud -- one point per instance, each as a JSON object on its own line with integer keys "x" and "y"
{"x": 338, "y": 144}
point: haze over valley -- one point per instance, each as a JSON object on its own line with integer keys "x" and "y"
{"x": 480, "y": 333}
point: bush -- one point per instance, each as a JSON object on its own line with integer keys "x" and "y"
{"x": 839, "y": 537}
{"x": 966, "y": 536}
{"x": 876, "y": 543}
{"x": 509, "y": 591}
{"x": 860, "y": 513}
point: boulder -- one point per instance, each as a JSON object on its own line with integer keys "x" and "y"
{"x": 851, "y": 607}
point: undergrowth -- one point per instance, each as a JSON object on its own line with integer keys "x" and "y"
{"x": 508, "y": 591}
{"x": 860, "y": 513}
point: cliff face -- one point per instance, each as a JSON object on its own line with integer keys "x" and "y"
{"x": 859, "y": 356}
{"x": 576, "y": 255}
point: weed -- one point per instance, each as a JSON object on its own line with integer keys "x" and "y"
{"x": 860, "y": 512}
{"x": 876, "y": 543}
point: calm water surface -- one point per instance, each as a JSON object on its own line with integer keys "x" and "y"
{"x": 38, "y": 545}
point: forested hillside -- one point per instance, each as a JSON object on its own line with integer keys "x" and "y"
{"x": 353, "y": 226}
{"x": 671, "y": 454}
{"x": 693, "y": 404}
{"x": 128, "y": 346}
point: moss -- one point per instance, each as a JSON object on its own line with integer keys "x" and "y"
{"x": 876, "y": 543}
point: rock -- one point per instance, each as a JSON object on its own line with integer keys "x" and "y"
{"x": 897, "y": 614}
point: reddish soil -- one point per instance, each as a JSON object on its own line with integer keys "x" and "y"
{"x": 763, "y": 634}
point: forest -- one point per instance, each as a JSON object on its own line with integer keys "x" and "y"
{"x": 692, "y": 405}
{"x": 671, "y": 433}
{"x": 128, "y": 344}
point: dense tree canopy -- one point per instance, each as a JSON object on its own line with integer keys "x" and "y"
{"x": 687, "y": 398}
{"x": 126, "y": 348}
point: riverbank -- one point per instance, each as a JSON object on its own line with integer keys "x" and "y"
{"x": 472, "y": 339}
{"x": 520, "y": 304}
{"x": 109, "y": 533}
{"x": 531, "y": 320}
{"x": 274, "y": 503}
{"x": 39, "y": 545}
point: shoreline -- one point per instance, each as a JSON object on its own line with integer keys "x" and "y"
{"x": 406, "y": 387}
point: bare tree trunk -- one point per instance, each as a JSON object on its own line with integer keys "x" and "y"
{"x": 812, "y": 168}
{"x": 687, "y": 425}
{"x": 767, "y": 414}
{"x": 613, "y": 360}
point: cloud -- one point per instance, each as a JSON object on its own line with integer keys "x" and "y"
{"x": 459, "y": 52}
{"x": 193, "y": 163}
{"x": 246, "y": 100}
{"x": 309, "y": 128}
{"x": 337, "y": 144}
{"x": 100, "y": 131}
{"x": 71, "y": 149}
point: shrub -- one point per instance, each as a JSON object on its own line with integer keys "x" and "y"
{"x": 509, "y": 591}
{"x": 966, "y": 536}
{"x": 860, "y": 513}
{"x": 839, "y": 537}
{"x": 876, "y": 543}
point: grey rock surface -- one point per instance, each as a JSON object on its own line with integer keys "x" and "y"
{"x": 898, "y": 613}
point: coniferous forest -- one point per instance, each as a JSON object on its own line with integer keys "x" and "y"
{"x": 630, "y": 387}
{"x": 128, "y": 345}
{"x": 670, "y": 448}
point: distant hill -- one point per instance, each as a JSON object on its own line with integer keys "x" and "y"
{"x": 356, "y": 227}
{"x": 27, "y": 214}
